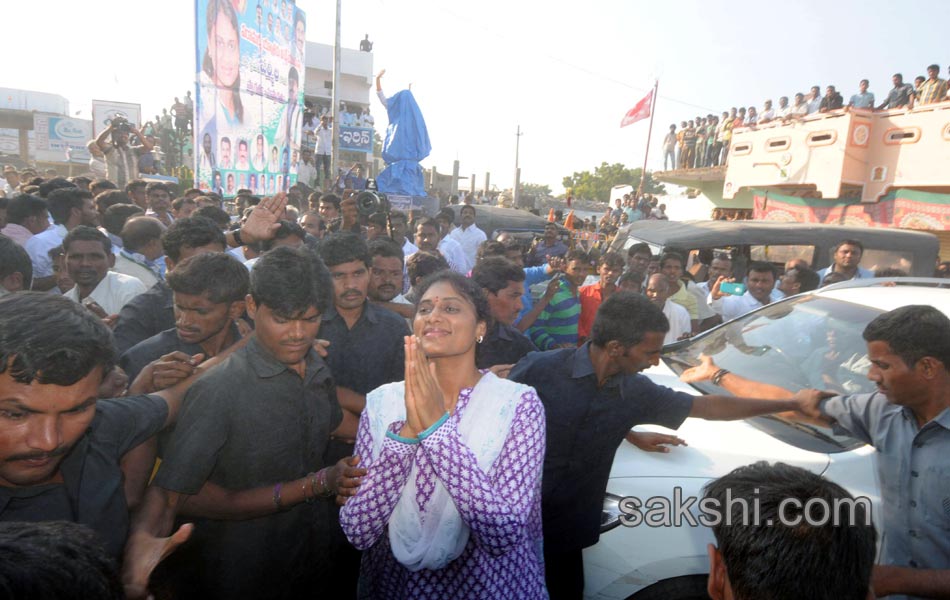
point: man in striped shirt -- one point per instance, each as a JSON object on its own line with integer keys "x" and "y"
{"x": 558, "y": 314}
{"x": 934, "y": 89}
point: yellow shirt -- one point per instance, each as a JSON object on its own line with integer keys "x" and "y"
{"x": 686, "y": 300}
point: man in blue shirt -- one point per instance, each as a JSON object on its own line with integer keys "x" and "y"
{"x": 847, "y": 256}
{"x": 593, "y": 395}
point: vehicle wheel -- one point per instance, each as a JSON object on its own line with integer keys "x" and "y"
{"x": 687, "y": 587}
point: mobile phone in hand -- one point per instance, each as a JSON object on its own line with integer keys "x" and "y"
{"x": 733, "y": 289}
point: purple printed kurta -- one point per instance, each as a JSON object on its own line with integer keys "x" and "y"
{"x": 502, "y": 508}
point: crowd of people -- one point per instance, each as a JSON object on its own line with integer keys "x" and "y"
{"x": 302, "y": 397}
{"x": 704, "y": 141}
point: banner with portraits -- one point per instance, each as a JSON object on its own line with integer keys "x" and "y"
{"x": 249, "y": 100}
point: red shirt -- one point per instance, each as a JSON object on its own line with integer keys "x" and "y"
{"x": 591, "y": 296}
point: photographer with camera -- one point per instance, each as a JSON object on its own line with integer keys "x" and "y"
{"x": 121, "y": 159}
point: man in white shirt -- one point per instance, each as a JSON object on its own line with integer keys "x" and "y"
{"x": 428, "y": 238}
{"x": 468, "y": 235}
{"x": 783, "y": 110}
{"x": 324, "y": 134}
{"x": 88, "y": 259}
{"x": 141, "y": 248}
{"x": 799, "y": 109}
{"x": 307, "y": 172}
{"x": 70, "y": 208}
{"x": 768, "y": 113}
{"x": 760, "y": 280}
{"x": 11, "y": 180}
{"x": 658, "y": 292}
{"x": 814, "y": 100}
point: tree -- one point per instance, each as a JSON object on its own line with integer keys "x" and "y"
{"x": 597, "y": 186}
{"x": 535, "y": 189}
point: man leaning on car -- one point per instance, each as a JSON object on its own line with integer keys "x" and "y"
{"x": 907, "y": 421}
{"x": 592, "y": 397}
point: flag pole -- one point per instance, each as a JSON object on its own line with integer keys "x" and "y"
{"x": 646, "y": 153}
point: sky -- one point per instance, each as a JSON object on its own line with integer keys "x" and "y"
{"x": 566, "y": 72}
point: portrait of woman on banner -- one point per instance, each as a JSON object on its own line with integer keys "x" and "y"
{"x": 221, "y": 105}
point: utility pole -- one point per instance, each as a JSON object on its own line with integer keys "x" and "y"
{"x": 516, "y": 192}
{"x": 646, "y": 151}
{"x": 335, "y": 144}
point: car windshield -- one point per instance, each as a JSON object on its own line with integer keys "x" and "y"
{"x": 811, "y": 341}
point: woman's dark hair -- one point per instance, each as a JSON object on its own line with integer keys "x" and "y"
{"x": 207, "y": 64}
{"x": 51, "y": 339}
{"x": 465, "y": 287}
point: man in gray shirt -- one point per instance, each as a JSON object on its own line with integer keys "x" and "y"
{"x": 908, "y": 422}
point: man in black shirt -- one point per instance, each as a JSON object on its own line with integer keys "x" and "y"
{"x": 247, "y": 454}
{"x": 366, "y": 341}
{"x": 208, "y": 295}
{"x": 365, "y": 352}
{"x": 153, "y": 312}
{"x": 503, "y": 284}
{"x": 831, "y": 101}
{"x": 59, "y": 447}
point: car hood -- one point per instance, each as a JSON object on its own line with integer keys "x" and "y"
{"x": 714, "y": 447}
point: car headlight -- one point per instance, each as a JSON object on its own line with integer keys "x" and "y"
{"x": 610, "y": 514}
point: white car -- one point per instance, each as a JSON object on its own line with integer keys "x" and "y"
{"x": 809, "y": 340}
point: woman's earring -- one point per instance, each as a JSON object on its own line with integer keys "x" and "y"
{"x": 479, "y": 339}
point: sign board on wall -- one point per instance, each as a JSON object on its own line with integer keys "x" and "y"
{"x": 55, "y": 135}
{"x": 103, "y": 112}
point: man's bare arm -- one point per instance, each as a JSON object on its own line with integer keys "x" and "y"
{"x": 924, "y": 583}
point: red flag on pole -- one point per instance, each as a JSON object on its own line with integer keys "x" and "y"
{"x": 640, "y": 111}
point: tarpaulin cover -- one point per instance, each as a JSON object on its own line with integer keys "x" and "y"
{"x": 406, "y": 143}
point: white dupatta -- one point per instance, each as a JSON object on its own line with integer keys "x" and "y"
{"x": 435, "y": 537}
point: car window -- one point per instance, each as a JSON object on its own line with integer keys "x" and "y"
{"x": 878, "y": 260}
{"x": 782, "y": 254}
{"x": 810, "y": 341}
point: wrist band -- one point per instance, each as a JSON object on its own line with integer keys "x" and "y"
{"x": 719, "y": 375}
{"x": 431, "y": 428}
{"x": 237, "y": 237}
{"x": 303, "y": 487}
{"x": 277, "y": 496}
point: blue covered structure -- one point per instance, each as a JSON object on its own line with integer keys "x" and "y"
{"x": 406, "y": 143}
